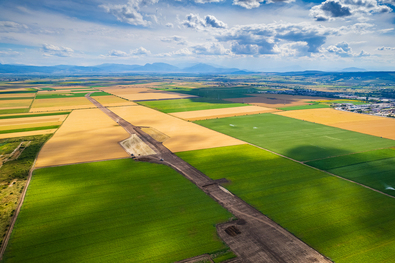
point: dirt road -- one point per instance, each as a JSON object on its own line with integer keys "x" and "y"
{"x": 254, "y": 238}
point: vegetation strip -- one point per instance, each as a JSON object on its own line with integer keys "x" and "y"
{"x": 30, "y": 129}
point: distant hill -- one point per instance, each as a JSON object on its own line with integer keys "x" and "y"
{"x": 353, "y": 69}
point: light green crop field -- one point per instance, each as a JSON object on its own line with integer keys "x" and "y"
{"x": 342, "y": 220}
{"x": 180, "y": 105}
{"x": 114, "y": 211}
{"x": 300, "y": 140}
{"x": 374, "y": 168}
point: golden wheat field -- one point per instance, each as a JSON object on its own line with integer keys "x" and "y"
{"x": 276, "y": 100}
{"x": 30, "y": 122}
{"x": 368, "y": 124}
{"x": 28, "y": 133}
{"x": 183, "y": 135}
{"x": 86, "y": 135}
{"x": 221, "y": 113}
{"x": 17, "y": 95}
{"x": 15, "y": 104}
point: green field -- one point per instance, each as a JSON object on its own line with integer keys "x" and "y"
{"x": 12, "y": 111}
{"x": 213, "y": 92}
{"x": 179, "y": 105}
{"x": 30, "y": 129}
{"x": 342, "y": 220}
{"x": 300, "y": 140}
{"x": 34, "y": 115}
{"x": 69, "y": 95}
{"x": 374, "y": 168}
{"x": 114, "y": 211}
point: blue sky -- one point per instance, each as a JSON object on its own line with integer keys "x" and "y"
{"x": 270, "y": 35}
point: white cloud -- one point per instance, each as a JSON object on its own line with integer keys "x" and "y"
{"x": 335, "y": 9}
{"x": 169, "y": 25}
{"x": 385, "y": 48}
{"x": 174, "y": 39}
{"x": 9, "y": 53}
{"x": 249, "y": 4}
{"x": 196, "y": 22}
{"x": 9, "y": 26}
{"x": 133, "y": 53}
{"x": 117, "y": 53}
{"x": 52, "y": 50}
{"x": 140, "y": 52}
{"x": 207, "y": 1}
{"x": 180, "y": 52}
{"x": 130, "y": 12}
{"x": 363, "y": 54}
{"x": 341, "y": 49}
{"x": 210, "y": 49}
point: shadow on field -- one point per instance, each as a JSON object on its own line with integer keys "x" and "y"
{"x": 313, "y": 152}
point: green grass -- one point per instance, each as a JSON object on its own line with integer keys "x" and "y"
{"x": 374, "y": 168}
{"x": 12, "y": 111}
{"x": 300, "y": 140}
{"x": 34, "y": 115}
{"x": 69, "y": 95}
{"x": 114, "y": 211}
{"x": 30, "y": 129}
{"x": 342, "y": 220}
{"x": 213, "y": 93}
{"x": 306, "y": 107}
{"x": 179, "y": 105}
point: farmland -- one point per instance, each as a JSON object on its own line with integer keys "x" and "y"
{"x": 373, "y": 168}
{"x": 141, "y": 213}
{"x": 368, "y": 124}
{"x": 183, "y": 135}
{"x": 15, "y": 104}
{"x": 342, "y": 220}
{"x": 294, "y": 138}
{"x": 193, "y": 104}
{"x": 86, "y": 135}
{"x": 221, "y": 113}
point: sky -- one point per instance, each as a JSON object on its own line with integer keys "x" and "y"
{"x": 259, "y": 35}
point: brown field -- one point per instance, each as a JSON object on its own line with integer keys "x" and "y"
{"x": 28, "y": 133}
{"x": 276, "y": 100}
{"x": 113, "y": 101}
{"x": 184, "y": 136}
{"x": 368, "y": 124}
{"x": 17, "y": 95}
{"x": 220, "y": 113}
{"x": 21, "y": 123}
{"x": 142, "y": 92}
{"x": 15, "y": 104}
{"x": 60, "y": 104}
{"x": 87, "y": 135}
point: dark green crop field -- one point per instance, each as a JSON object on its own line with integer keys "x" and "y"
{"x": 374, "y": 168}
{"x": 114, "y": 211}
{"x": 342, "y": 220}
{"x": 179, "y": 105}
{"x": 300, "y": 140}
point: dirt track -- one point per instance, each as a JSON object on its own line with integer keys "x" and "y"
{"x": 260, "y": 240}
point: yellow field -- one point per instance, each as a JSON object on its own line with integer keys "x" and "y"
{"x": 368, "y": 124}
{"x": 28, "y": 113}
{"x": 15, "y": 104}
{"x": 276, "y": 100}
{"x": 184, "y": 136}
{"x": 17, "y": 95}
{"x": 61, "y": 104}
{"x": 21, "y": 123}
{"x": 221, "y": 113}
{"x": 113, "y": 101}
{"x": 28, "y": 133}
{"x": 141, "y": 92}
{"x": 86, "y": 135}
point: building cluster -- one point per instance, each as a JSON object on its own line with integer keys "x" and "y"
{"x": 386, "y": 109}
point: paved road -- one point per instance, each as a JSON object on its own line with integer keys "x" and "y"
{"x": 260, "y": 239}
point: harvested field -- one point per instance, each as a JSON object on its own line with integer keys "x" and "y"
{"x": 134, "y": 145}
{"x": 368, "y": 124}
{"x": 344, "y": 221}
{"x": 276, "y": 100}
{"x": 28, "y": 133}
{"x": 221, "y": 113}
{"x": 86, "y": 135}
{"x": 136, "y": 93}
{"x": 20, "y": 123}
{"x": 60, "y": 104}
{"x": 184, "y": 136}
{"x": 15, "y": 104}
{"x": 300, "y": 140}
{"x": 114, "y": 211}
{"x": 155, "y": 134}
{"x": 113, "y": 101}
{"x": 17, "y": 95}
